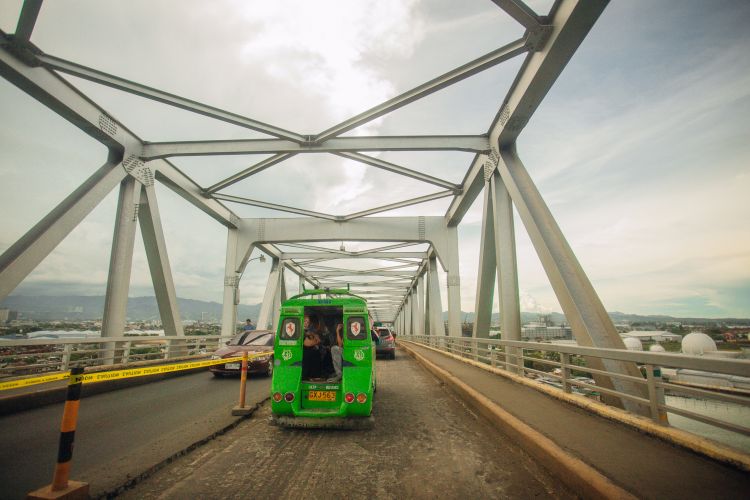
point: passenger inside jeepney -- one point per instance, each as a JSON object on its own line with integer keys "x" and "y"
{"x": 317, "y": 360}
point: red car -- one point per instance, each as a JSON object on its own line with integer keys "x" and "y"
{"x": 386, "y": 345}
{"x": 252, "y": 342}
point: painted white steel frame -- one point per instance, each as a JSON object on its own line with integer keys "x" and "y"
{"x": 549, "y": 42}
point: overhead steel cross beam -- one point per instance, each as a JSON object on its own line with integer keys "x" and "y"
{"x": 471, "y": 68}
{"x": 368, "y": 255}
{"x": 258, "y": 167}
{"x": 470, "y": 143}
{"x": 338, "y": 218}
{"x": 115, "y": 82}
{"x": 396, "y": 169}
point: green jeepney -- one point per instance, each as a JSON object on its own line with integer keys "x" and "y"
{"x": 300, "y": 398}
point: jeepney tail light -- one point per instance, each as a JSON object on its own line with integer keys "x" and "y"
{"x": 361, "y": 397}
{"x": 349, "y": 397}
{"x": 277, "y": 397}
{"x": 289, "y": 397}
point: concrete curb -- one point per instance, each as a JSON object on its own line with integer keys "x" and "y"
{"x": 580, "y": 477}
{"x": 34, "y": 397}
{"x": 677, "y": 437}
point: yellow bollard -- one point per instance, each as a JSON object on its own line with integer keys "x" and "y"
{"x": 241, "y": 409}
{"x": 61, "y": 487}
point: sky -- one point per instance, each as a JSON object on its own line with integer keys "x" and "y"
{"x": 640, "y": 149}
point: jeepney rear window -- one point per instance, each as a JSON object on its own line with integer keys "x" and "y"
{"x": 355, "y": 328}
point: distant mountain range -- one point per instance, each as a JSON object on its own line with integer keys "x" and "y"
{"x": 83, "y": 307}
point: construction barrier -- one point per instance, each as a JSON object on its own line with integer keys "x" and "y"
{"x": 90, "y": 378}
{"x": 61, "y": 486}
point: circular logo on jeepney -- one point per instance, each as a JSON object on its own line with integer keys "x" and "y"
{"x": 290, "y": 329}
{"x": 356, "y": 328}
{"x": 286, "y": 354}
{"x": 359, "y": 354}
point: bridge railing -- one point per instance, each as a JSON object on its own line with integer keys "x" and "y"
{"x": 38, "y": 356}
{"x": 564, "y": 367}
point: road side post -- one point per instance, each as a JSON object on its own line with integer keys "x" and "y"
{"x": 62, "y": 487}
{"x": 241, "y": 409}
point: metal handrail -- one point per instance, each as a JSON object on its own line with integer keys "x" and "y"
{"x": 51, "y": 355}
{"x": 514, "y": 354}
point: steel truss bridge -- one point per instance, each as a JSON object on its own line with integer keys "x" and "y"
{"x": 401, "y": 280}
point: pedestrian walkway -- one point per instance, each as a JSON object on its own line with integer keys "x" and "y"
{"x": 646, "y": 466}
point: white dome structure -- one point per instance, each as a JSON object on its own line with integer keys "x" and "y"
{"x": 656, "y": 348}
{"x": 632, "y": 344}
{"x": 698, "y": 344}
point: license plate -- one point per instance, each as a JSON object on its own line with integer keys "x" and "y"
{"x": 232, "y": 366}
{"x": 321, "y": 396}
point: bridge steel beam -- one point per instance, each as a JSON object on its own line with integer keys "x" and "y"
{"x": 65, "y": 100}
{"x": 486, "y": 271}
{"x": 409, "y": 324}
{"x": 569, "y": 23}
{"x": 397, "y": 169}
{"x": 24, "y": 255}
{"x": 420, "y": 305}
{"x": 505, "y": 252}
{"x": 470, "y": 143}
{"x": 231, "y": 285}
{"x": 265, "y": 320}
{"x": 27, "y": 19}
{"x": 497, "y": 257}
{"x": 158, "y": 262}
{"x": 115, "y": 82}
{"x": 121, "y": 261}
{"x": 368, "y": 255}
{"x": 437, "y": 326}
{"x": 588, "y": 318}
{"x": 471, "y": 68}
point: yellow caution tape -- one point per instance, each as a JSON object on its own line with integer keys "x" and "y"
{"x": 14, "y": 384}
{"x": 89, "y": 378}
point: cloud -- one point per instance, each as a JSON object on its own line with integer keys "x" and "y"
{"x": 328, "y": 56}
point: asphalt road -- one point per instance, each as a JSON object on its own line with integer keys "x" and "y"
{"x": 121, "y": 433}
{"x": 425, "y": 444}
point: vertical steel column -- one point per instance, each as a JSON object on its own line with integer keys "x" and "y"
{"x": 437, "y": 326}
{"x": 589, "y": 320}
{"x": 279, "y": 297}
{"x": 427, "y": 312}
{"x": 487, "y": 268}
{"x": 265, "y": 321}
{"x": 231, "y": 285}
{"x": 505, "y": 252}
{"x": 410, "y": 313}
{"x": 120, "y": 264}
{"x": 158, "y": 262}
{"x": 454, "y": 282}
{"x": 420, "y": 306}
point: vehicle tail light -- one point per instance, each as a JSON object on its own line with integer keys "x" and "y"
{"x": 289, "y": 397}
{"x": 277, "y": 396}
{"x": 361, "y": 397}
{"x": 349, "y": 397}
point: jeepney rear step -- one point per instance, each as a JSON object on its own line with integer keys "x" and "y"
{"x": 347, "y": 423}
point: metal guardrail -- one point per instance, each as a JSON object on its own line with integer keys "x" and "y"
{"x": 39, "y": 356}
{"x": 561, "y": 365}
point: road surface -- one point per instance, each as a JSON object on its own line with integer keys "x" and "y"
{"x": 425, "y": 444}
{"x": 121, "y": 433}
